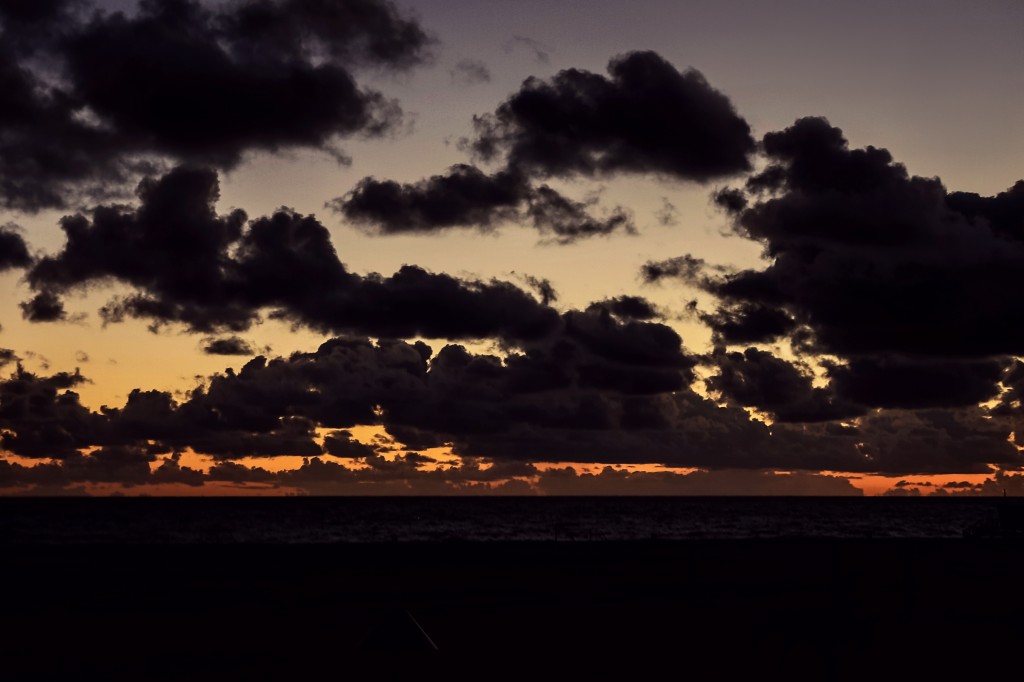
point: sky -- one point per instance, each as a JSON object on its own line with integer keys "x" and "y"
{"x": 511, "y": 247}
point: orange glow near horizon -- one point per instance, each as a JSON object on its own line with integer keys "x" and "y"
{"x": 874, "y": 485}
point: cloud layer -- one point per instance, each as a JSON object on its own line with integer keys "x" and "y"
{"x": 881, "y": 334}
{"x": 91, "y": 100}
{"x": 905, "y": 285}
{"x": 284, "y": 263}
{"x": 645, "y": 117}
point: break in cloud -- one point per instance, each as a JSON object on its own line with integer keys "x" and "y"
{"x": 90, "y": 100}
{"x": 645, "y": 117}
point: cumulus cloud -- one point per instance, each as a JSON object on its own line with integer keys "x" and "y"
{"x": 605, "y": 388}
{"x": 13, "y": 250}
{"x": 759, "y": 379}
{"x": 628, "y": 307}
{"x": 284, "y": 263}
{"x": 567, "y": 221}
{"x": 883, "y": 381}
{"x": 906, "y": 283}
{"x": 93, "y": 99}
{"x": 466, "y": 197}
{"x": 901, "y": 291}
{"x": 871, "y": 259}
{"x": 645, "y": 118}
{"x": 227, "y": 345}
{"x": 42, "y": 417}
{"x": 43, "y": 307}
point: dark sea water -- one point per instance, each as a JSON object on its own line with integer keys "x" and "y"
{"x": 360, "y": 520}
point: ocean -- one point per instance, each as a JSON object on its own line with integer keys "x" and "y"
{"x": 330, "y": 520}
{"x": 505, "y": 588}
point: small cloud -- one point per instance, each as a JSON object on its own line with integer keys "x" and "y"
{"x": 43, "y": 307}
{"x": 470, "y": 72}
{"x": 541, "y": 52}
{"x": 667, "y": 215}
{"x": 229, "y": 345}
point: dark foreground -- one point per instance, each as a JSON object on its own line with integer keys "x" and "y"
{"x": 710, "y": 609}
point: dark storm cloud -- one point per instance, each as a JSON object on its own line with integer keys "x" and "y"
{"x": 758, "y": 379}
{"x": 205, "y": 85}
{"x": 628, "y": 307}
{"x": 272, "y": 408}
{"x": 566, "y": 221}
{"x": 870, "y": 259}
{"x": 687, "y": 268}
{"x": 603, "y": 390}
{"x": 124, "y": 466}
{"x": 13, "y": 250}
{"x": 647, "y": 118}
{"x": 936, "y": 441}
{"x": 464, "y": 196}
{"x": 907, "y": 284}
{"x": 341, "y": 444}
{"x": 233, "y": 472}
{"x": 467, "y": 197}
{"x": 285, "y": 263}
{"x": 737, "y": 323}
{"x": 749, "y": 323}
{"x": 228, "y": 345}
{"x": 351, "y": 31}
{"x": 897, "y": 382}
{"x": 1004, "y": 212}
{"x": 30, "y": 14}
{"x": 211, "y": 425}
{"x": 732, "y": 200}
{"x": 94, "y": 99}
{"x": 41, "y": 417}
{"x": 43, "y": 307}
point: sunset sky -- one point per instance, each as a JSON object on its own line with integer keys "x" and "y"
{"x": 511, "y": 246}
